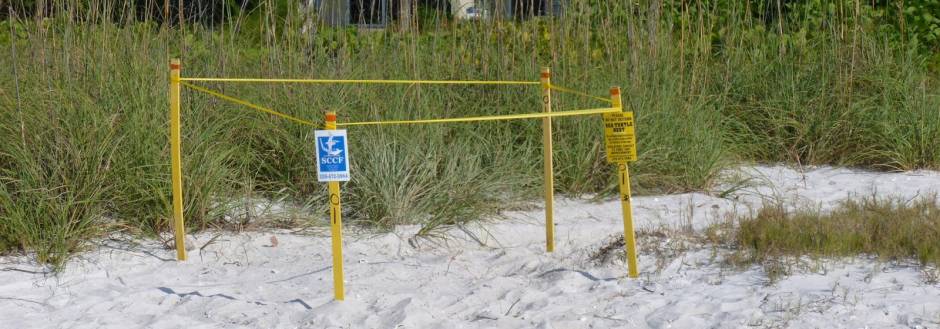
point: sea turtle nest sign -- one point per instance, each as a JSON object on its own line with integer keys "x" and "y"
{"x": 620, "y": 137}
{"x": 332, "y": 156}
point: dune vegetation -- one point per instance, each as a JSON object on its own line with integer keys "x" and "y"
{"x": 713, "y": 84}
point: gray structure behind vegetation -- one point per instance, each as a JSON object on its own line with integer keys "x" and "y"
{"x": 380, "y": 13}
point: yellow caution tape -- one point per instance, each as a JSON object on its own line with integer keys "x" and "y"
{"x": 488, "y": 118}
{"x": 387, "y": 82}
{"x": 249, "y": 104}
{"x": 572, "y": 91}
{"x": 399, "y": 122}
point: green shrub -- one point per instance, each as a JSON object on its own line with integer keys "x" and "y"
{"x": 890, "y": 229}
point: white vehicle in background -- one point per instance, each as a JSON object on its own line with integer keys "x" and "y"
{"x": 469, "y": 10}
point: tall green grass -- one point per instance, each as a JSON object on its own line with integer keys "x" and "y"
{"x": 84, "y": 119}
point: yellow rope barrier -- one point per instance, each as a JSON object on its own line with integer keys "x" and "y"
{"x": 488, "y": 118}
{"x": 250, "y": 105}
{"x": 572, "y": 91}
{"x": 426, "y": 82}
{"x": 387, "y": 82}
{"x": 330, "y": 124}
{"x": 398, "y": 122}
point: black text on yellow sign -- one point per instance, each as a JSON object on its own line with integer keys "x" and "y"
{"x": 619, "y": 137}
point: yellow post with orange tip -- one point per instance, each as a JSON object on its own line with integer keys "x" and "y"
{"x": 336, "y": 225}
{"x": 629, "y": 237}
{"x": 549, "y": 183}
{"x": 176, "y": 158}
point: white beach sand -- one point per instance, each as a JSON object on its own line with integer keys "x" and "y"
{"x": 243, "y": 281}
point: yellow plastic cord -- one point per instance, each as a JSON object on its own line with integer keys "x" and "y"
{"x": 399, "y": 122}
{"x": 572, "y": 91}
{"x": 249, "y": 104}
{"x": 385, "y": 82}
{"x": 486, "y": 118}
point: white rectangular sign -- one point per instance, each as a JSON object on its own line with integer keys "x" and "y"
{"x": 332, "y": 155}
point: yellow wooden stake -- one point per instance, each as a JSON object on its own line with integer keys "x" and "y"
{"x": 336, "y": 225}
{"x": 629, "y": 237}
{"x": 176, "y": 159}
{"x": 549, "y": 184}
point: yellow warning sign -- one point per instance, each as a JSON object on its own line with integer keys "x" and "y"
{"x": 619, "y": 137}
